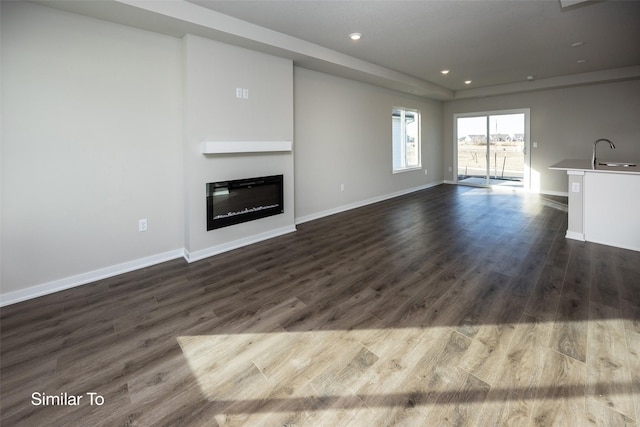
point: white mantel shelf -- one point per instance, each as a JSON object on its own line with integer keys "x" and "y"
{"x": 239, "y": 147}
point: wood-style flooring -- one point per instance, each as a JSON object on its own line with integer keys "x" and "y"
{"x": 450, "y": 306}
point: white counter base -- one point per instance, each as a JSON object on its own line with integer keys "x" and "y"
{"x": 604, "y": 204}
{"x": 575, "y": 236}
{"x": 612, "y": 209}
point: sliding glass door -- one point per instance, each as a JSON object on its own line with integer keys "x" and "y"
{"x": 492, "y": 148}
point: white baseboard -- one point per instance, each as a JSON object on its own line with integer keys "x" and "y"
{"x": 103, "y": 273}
{"x": 347, "y": 207}
{"x": 554, "y": 193}
{"x": 544, "y": 192}
{"x": 574, "y": 235}
{"x": 225, "y": 247}
{"x": 84, "y": 278}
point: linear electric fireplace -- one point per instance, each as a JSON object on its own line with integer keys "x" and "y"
{"x": 242, "y": 200}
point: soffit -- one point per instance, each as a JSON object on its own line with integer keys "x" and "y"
{"x": 405, "y": 44}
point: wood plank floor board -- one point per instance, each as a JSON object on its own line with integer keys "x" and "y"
{"x": 570, "y": 334}
{"x": 516, "y": 384}
{"x": 604, "y": 277}
{"x": 600, "y": 414}
{"x": 543, "y": 301}
{"x": 16, "y": 388}
{"x": 408, "y": 310}
{"x": 608, "y": 371}
{"x": 570, "y": 329}
{"x": 399, "y": 351}
{"x": 578, "y": 273}
{"x": 449, "y": 306}
{"x": 633, "y": 356}
{"x": 18, "y": 323}
{"x": 629, "y": 287}
{"x": 461, "y": 408}
{"x": 488, "y": 350}
{"x": 565, "y": 399}
{"x": 476, "y": 312}
{"x": 631, "y": 315}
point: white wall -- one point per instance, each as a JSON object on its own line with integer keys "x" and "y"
{"x": 91, "y": 142}
{"x": 343, "y": 136}
{"x": 213, "y": 71}
{"x": 565, "y": 123}
{"x": 102, "y": 125}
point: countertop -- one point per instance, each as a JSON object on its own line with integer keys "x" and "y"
{"x": 586, "y": 166}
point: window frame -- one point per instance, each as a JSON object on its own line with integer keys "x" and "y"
{"x": 531, "y": 179}
{"x": 404, "y": 167}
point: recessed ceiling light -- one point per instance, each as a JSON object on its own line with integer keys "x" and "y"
{"x": 445, "y": 72}
{"x": 577, "y": 44}
{"x": 467, "y": 82}
{"x": 531, "y": 77}
{"x": 582, "y": 61}
{"x": 355, "y": 36}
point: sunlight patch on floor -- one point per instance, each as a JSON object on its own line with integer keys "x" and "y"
{"x": 376, "y": 372}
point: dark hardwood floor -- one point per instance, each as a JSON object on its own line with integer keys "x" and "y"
{"x": 448, "y": 306}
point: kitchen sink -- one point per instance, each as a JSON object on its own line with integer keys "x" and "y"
{"x": 618, "y": 164}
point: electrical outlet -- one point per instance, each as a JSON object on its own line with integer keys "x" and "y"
{"x": 245, "y": 93}
{"x": 239, "y": 91}
{"x": 425, "y": 172}
{"x": 575, "y": 187}
{"x": 142, "y": 224}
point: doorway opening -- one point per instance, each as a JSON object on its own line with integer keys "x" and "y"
{"x": 492, "y": 148}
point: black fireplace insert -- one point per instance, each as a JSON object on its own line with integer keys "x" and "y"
{"x": 242, "y": 200}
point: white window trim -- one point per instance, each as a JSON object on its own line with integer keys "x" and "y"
{"x": 419, "y": 145}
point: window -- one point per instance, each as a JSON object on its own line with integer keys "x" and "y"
{"x": 405, "y": 130}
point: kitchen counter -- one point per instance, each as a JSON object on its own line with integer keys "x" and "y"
{"x": 604, "y": 203}
{"x": 585, "y": 165}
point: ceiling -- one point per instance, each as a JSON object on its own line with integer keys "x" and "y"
{"x": 488, "y": 42}
{"x": 406, "y": 44}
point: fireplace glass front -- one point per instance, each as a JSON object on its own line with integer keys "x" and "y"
{"x": 241, "y": 200}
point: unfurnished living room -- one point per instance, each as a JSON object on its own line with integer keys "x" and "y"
{"x": 320, "y": 213}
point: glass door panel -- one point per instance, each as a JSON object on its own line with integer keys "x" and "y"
{"x": 491, "y": 148}
{"x": 506, "y": 149}
{"x": 472, "y": 150}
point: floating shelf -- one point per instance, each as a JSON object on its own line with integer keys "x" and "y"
{"x": 230, "y": 147}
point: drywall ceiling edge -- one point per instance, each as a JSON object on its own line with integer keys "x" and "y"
{"x": 177, "y": 18}
{"x": 594, "y": 77}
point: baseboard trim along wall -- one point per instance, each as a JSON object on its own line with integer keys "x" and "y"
{"x": 218, "y": 249}
{"x": 543, "y": 192}
{"x": 88, "y": 277}
{"x": 575, "y": 236}
{"x": 361, "y": 203}
{"x": 103, "y": 273}
{"x": 554, "y": 193}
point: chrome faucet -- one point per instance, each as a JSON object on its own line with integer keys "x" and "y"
{"x": 593, "y": 158}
